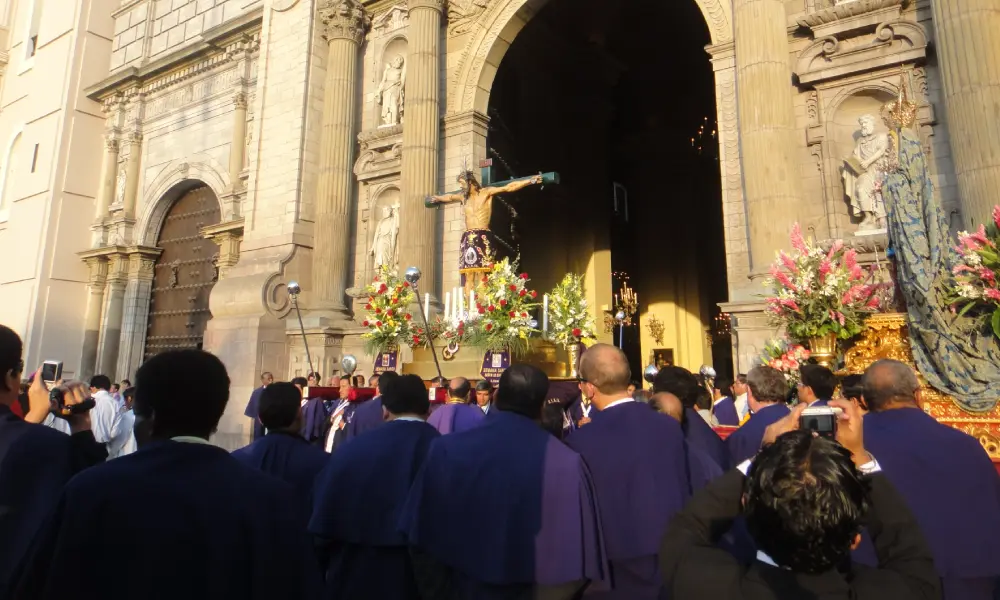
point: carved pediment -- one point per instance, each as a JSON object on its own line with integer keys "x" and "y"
{"x": 381, "y": 153}
{"x": 391, "y": 20}
{"x": 858, "y": 49}
{"x": 848, "y": 13}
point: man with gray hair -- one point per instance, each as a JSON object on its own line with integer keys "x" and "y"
{"x": 945, "y": 477}
{"x": 767, "y": 390}
{"x": 638, "y": 460}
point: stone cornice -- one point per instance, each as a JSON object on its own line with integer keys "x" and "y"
{"x": 343, "y": 20}
{"x": 215, "y": 46}
{"x": 437, "y": 5}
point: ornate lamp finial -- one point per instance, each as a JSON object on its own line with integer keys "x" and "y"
{"x": 901, "y": 112}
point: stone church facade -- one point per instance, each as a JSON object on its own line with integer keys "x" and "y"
{"x": 170, "y": 165}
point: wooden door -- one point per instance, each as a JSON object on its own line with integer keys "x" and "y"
{"x": 184, "y": 275}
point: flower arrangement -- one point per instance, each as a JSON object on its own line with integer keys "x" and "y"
{"x": 504, "y": 308}
{"x": 818, "y": 293}
{"x": 569, "y": 317}
{"x": 976, "y": 273}
{"x": 785, "y": 357}
{"x": 389, "y": 322}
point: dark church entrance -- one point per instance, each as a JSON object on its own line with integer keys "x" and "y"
{"x": 619, "y": 98}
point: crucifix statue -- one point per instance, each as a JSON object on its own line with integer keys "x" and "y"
{"x": 478, "y": 246}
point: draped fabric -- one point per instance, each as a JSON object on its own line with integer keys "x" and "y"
{"x": 953, "y": 353}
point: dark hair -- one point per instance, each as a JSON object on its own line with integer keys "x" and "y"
{"x": 852, "y": 389}
{"x": 279, "y": 406}
{"x": 484, "y": 386}
{"x": 822, "y": 380}
{"x": 406, "y": 394}
{"x": 522, "y": 390}
{"x": 742, "y": 378}
{"x": 439, "y": 381}
{"x": 385, "y": 378}
{"x": 302, "y": 381}
{"x": 126, "y": 383}
{"x": 767, "y": 384}
{"x": 679, "y": 382}
{"x": 11, "y": 349}
{"x": 704, "y": 399}
{"x": 101, "y": 382}
{"x": 358, "y": 381}
{"x": 459, "y": 388}
{"x": 163, "y": 392}
{"x": 724, "y": 385}
{"x": 889, "y": 381}
{"x": 805, "y": 501}
{"x": 552, "y": 419}
{"x": 373, "y": 380}
{"x": 129, "y": 393}
{"x": 315, "y": 376}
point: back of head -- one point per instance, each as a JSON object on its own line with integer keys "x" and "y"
{"x": 300, "y": 381}
{"x": 385, "y": 378}
{"x": 279, "y": 406}
{"x": 680, "y": 382}
{"x": 606, "y": 368}
{"x": 805, "y": 501}
{"x": 851, "y": 387}
{"x": 668, "y": 404}
{"x": 767, "y": 384}
{"x": 822, "y": 380}
{"x": 405, "y": 395}
{"x": 552, "y": 419}
{"x": 723, "y": 385}
{"x": 889, "y": 382}
{"x": 164, "y": 393}
{"x": 459, "y": 388}
{"x": 101, "y": 382}
{"x": 10, "y": 360}
{"x": 641, "y": 396}
{"x": 703, "y": 401}
{"x": 373, "y": 381}
{"x": 522, "y": 390}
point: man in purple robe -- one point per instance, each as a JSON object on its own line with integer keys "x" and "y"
{"x": 944, "y": 475}
{"x": 456, "y": 414}
{"x": 179, "y": 518}
{"x": 253, "y": 406}
{"x": 505, "y": 510}
{"x": 283, "y": 452}
{"x": 817, "y": 385}
{"x": 637, "y": 458}
{"x": 701, "y": 469}
{"x": 768, "y": 390}
{"x": 359, "y": 496}
{"x": 369, "y": 414}
{"x": 723, "y": 406}
{"x": 682, "y": 383}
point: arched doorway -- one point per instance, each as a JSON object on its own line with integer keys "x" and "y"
{"x": 184, "y": 274}
{"x": 626, "y": 114}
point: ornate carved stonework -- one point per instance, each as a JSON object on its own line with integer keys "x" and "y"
{"x": 343, "y": 19}
{"x": 98, "y": 271}
{"x": 437, "y": 5}
{"x": 394, "y": 19}
{"x": 462, "y": 14}
{"x": 381, "y": 153}
{"x": 886, "y": 337}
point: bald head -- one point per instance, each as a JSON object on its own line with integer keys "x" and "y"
{"x": 459, "y": 388}
{"x": 668, "y": 404}
{"x": 890, "y": 382}
{"x": 606, "y": 368}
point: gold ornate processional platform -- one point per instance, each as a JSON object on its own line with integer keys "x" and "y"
{"x": 887, "y": 337}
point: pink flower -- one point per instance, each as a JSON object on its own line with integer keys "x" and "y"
{"x": 959, "y": 269}
{"x": 837, "y": 247}
{"x": 980, "y": 236}
{"x": 788, "y": 303}
{"x": 993, "y": 294}
{"x": 840, "y": 318}
{"x": 783, "y": 279}
{"x": 788, "y": 262}
{"x": 987, "y": 275}
{"x": 797, "y": 242}
{"x": 853, "y": 294}
{"x": 824, "y": 268}
{"x": 850, "y": 259}
{"x": 873, "y": 302}
{"x": 996, "y": 216}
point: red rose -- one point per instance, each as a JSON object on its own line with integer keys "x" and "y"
{"x": 577, "y": 332}
{"x": 524, "y": 315}
{"x": 376, "y": 278}
{"x": 365, "y": 323}
{"x": 388, "y": 313}
{"x": 523, "y": 293}
{"x": 503, "y": 303}
{"x": 383, "y": 289}
{"x": 378, "y": 323}
{"x": 408, "y": 317}
{"x": 482, "y": 310}
{"x": 491, "y": 308}
{"x": 534, "y": 294}
{"x": 416, "y": 341}
{"x": 489, "y": 326}
{"x": 513, "y": 287}
{"x": 486, "y": 280}
{"x": 368, "y": 306}
{"x": 395, "y": 300}
{"x": 378, "y": 311}
{"x": 513, "y": 314}
{"x": 406, "y": 284}
{"x": 524, "y": 275}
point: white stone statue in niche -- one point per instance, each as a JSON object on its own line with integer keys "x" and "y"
{"x": 120, "y": 185}
{"x": 863, "y": 176}
{"x": 390, "y": 91}
{"x": 384, "y": 247}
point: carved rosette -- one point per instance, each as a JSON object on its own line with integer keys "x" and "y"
{"x": 343, "y": 20}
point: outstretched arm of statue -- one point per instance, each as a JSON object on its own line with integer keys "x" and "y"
{"x": 430, "y": 201}
{"x": 515, "y": 185}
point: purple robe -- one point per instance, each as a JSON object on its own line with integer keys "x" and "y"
{"x": 702, "y": 469}
{"x": 725, "y": 413}
{"x": 367, "y": 416}
{"x": 700, "y": 435}
{"x": 253, "y": 411}
{"x": 639, "y": 464}
{"x": 953, "y": 490}
{"x": 359, "y": 497}
{"x": 745, "y": 441}
{"x": 289, "y": 458}
{"x": 316, "y": 420}
{"x": 176, "y": 520}
{"x": 456, "y": 416}
{"x": 528, "y": 499}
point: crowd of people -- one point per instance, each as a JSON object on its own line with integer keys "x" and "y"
{"x": 494, "y": 493}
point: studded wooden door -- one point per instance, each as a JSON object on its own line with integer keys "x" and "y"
{"x": 184, "y": 275}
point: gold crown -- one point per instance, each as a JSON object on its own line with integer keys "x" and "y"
{"x": 901, "y": 112}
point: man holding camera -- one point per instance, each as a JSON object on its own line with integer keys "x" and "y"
{"x": 804, "y": 497}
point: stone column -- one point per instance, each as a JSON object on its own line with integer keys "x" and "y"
{"x": 421, "y": 141}
{"x": 344, "y": 24}
{"x": 238, "y": 149}
{"x": 138, "y": 291}
{"x": 767, "y": 126}
{"x": 98, "y": 266}
{"x": 111, "y": 329}
{"x": 106, "y": 189}
{"x": 134, "y": 140}
{"x": 967, "y": 36}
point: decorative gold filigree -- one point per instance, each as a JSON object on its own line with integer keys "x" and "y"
{"x": 901, "y": 112}
{"x": 656, "y": 329}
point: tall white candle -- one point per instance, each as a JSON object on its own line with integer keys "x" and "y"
{"x": 427, "y": 305}
{"x": 447, "y": 305}
{"x": 460, "y": 293}
{"x": 472, "y": 300}
{"x": 545, "y": 315}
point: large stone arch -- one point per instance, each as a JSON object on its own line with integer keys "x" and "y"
{"x": 495, "y": 29}
{"x": 173, "y": 181}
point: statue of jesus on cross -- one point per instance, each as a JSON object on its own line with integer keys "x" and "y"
{"x": 477, "y": 246}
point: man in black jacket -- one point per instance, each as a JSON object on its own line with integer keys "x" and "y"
{"x": 804, "y": 498}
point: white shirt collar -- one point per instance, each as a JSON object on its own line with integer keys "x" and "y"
{"x": 720, "y": 400}
{"x": 190, "y": 439}
{"x": 617, "y": 402}
{"x": 767, "y": 560}
{"x": 407, "y": 418}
